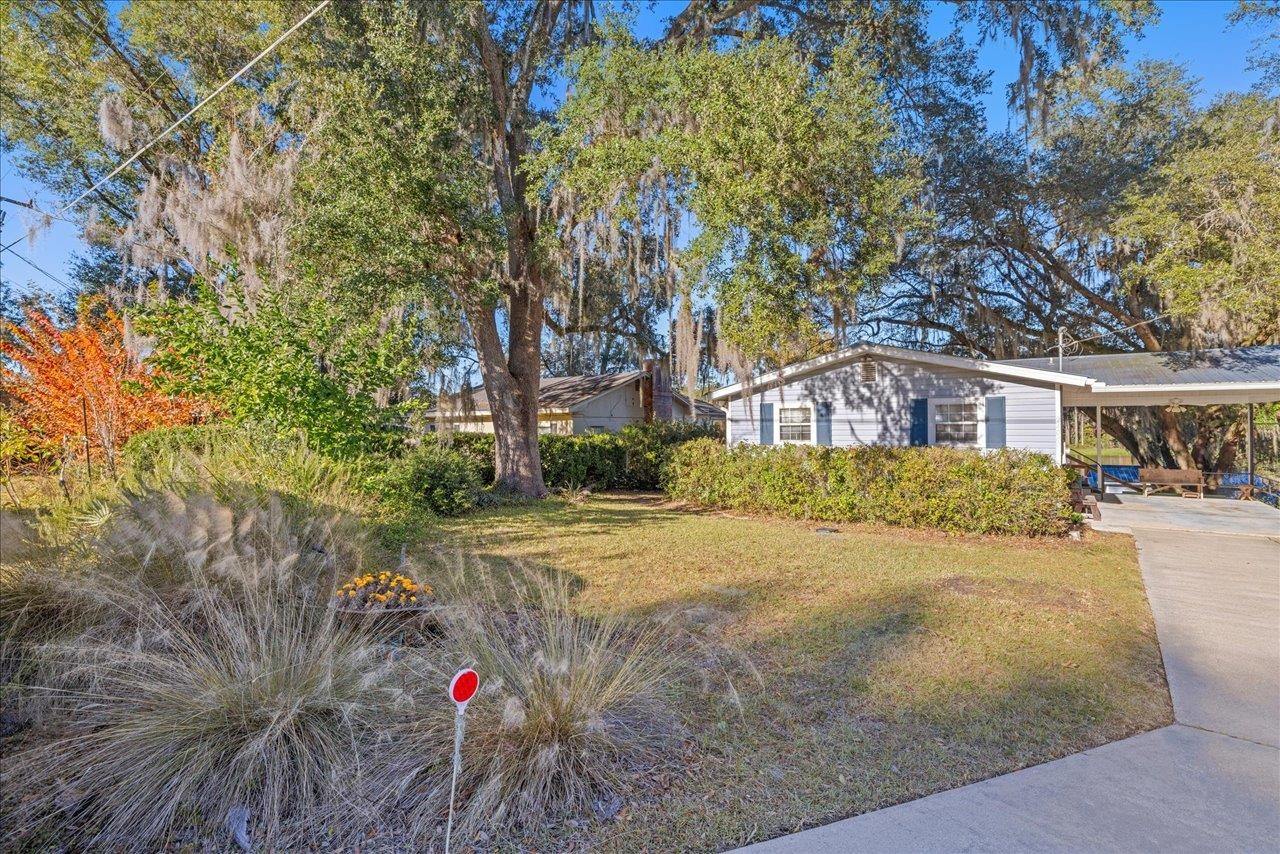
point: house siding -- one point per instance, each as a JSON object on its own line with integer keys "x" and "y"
{"x": 611, "y": 411}
{"x": 879, "y": 413}
{"x": 548, "y": 423}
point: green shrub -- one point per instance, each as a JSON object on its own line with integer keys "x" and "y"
{"x": 476, "y": 448}
{"x": 648, "y": 447}
{"x": 951, "y": 489}
{"x": 144, "y": 450}
{"x": 20, "y": 448}
{"x": 595, "y": 460}
{"x": 440, "y": 479}
{"x": 632, "y": 458}
{"x": 262, "y": 364}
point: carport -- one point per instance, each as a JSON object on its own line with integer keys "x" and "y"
{"x": 1231, "y": 376}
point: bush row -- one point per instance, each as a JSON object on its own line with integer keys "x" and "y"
{"x": 950, "y": 489}
{"x": 632, "y": 458}
{"x": 446, "y": 472}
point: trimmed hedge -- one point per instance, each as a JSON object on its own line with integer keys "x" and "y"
{"x": 950, "y": 489}
{"x": 633, "y": 458}
{"x": 595, "y": 460}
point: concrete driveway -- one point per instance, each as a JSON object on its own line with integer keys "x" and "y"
{"x": 1126, "y": 512}
{"x": 1209, "y": 782}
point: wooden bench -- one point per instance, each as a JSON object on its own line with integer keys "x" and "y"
{"x": 1185, "y": 482}
{"x": 1082, "y": 501}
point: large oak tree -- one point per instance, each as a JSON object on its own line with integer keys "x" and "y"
{"x": 384, "y": 156}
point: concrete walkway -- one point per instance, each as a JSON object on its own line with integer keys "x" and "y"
{"x": 1210, "y": 782}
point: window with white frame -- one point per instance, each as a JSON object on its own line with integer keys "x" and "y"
{"x": 795, "y": 424}
{"x": 956, "y": 422}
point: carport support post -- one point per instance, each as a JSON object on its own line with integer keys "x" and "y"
{"x": 1248, "y": 440}
{"x": 1097, "y": 459}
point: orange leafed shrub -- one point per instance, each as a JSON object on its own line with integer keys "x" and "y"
{"x": 49, "y": 370}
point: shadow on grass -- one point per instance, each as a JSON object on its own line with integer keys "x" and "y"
{"x": 864, "y": 709}
{"x": 853, "y": 690}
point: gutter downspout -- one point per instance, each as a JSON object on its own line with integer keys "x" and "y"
{"x": 1061, "y": 437}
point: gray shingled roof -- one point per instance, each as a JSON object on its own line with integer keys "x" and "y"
{"x": 562, "y": 392}
{"x": 568, "y": 392}
{"x": 1227, "y": 365}
{"x": 701, "y": 407}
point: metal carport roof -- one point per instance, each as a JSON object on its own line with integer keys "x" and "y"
{"x": 1182, "y": 367}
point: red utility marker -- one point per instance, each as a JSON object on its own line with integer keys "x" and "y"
{"x": 463, "y": 687}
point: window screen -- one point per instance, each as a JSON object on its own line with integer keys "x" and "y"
{"x": 955, "y": 423}
{"x": 795, "y": 424}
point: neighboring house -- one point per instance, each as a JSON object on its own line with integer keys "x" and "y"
{"x": 871, "y": 394}
{"x": 586, "y": 404}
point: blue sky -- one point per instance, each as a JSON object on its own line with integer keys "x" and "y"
{"x": 1192, "y": 32}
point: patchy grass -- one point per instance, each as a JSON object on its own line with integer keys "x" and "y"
{"x": 851, "y": 671}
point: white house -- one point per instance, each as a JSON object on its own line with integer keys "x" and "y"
{"x": 872, "y": 394}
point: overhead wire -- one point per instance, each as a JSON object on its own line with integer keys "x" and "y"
{"x": 165, "y": 133}
{"x": 1074, "y": 341}
{"x": 39, "y": 269}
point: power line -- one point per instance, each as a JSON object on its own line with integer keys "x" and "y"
{"x": 38, "y": 268}
{"x": 1075, "y": 341}
{"x": 31, "y": 205}
{"x": 233, "y": 78}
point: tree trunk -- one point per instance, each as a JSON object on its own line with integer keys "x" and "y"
{"x": 511, "y": 383}
{"x": 1115, "y": 428}
{"x": 517, "y": 462}
{"x": 1172, "y": 434}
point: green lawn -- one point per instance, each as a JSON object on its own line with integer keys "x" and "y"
{"x": 1116, "y": 456}
{"x": 836, "y": 674}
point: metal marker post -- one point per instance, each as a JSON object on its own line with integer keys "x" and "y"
{"x": 84, "y": 417}
{"x": 461, "y": 690}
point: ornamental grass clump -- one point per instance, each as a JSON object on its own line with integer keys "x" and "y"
{"x": 207, "y": 682}
{"x": 248, "y": 464}
{"x": 193, "y": 672}
{"x": 261, "y": 705}
{"x": 571, "y": 706}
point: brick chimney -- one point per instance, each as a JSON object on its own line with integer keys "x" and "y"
{"x": 661, "y": 391}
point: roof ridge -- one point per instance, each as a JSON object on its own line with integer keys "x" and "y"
{"x": 1187, "y": 352}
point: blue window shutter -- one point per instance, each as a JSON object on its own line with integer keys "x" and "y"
{"x": 995, "y": 422}
{"x": 766, "y": 423}
{"x": 823, "y": 413}
{"x": 920, "y": 421}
